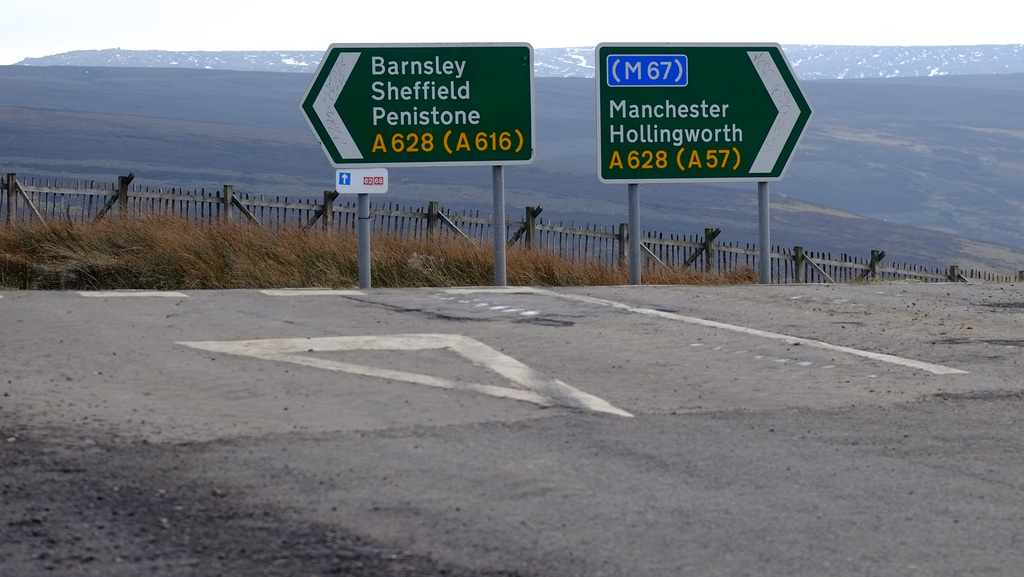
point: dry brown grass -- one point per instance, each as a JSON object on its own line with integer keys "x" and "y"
{"x": 172, "y": 254}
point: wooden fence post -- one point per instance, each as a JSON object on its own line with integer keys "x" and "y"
{"x": 798, "y": 263}
{"x": 227, "y": 198}
{"x": 432, "y": 212}
{"x": 709, "y": 243}
{"x": 329, "y": 196}
{"x": 122, "y": 193}
{"x": 528, "y": 227}
{"x": 531, "y": 225}
{"x": 876, "y": 259}
{"x": 11, "y": 179}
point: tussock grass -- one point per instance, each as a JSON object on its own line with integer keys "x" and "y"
{"x": 168, "y": 253}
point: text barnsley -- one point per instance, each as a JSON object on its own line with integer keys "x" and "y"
{"x": 380, "y": 66}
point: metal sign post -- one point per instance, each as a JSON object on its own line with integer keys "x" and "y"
{"x": 764, "y": 233}
{"x": 363, "y": 216}
{"x": 363, "y": 182}
{"x": 500, "y": 272}
{"x": 634, "y": 234}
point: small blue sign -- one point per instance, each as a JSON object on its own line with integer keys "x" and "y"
{"x": 647, "y": 70}
{"x": 361, "y": 181}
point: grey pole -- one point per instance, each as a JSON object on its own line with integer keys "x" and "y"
{"x": 764, "y": 255}
{"x": 363, "y": 216}
{"x": 500, "y": 278}
{"x": 634, "y": 234}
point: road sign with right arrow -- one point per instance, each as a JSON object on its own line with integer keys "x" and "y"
{"x": 696, "y": 112}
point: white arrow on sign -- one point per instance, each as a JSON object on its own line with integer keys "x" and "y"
{"x": 537, "y": 388}
{"x": 328, "y": 97}
{"x": 786, "y": 118}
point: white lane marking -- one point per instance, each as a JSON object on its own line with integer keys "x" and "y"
{"x": 804, "y": 364}
{"x": 540, "y": 389}
{"x": 921, "y": 365}
{"x": 493, "y": 306}
{"x": 130, "y": 293}
{"x": 312, "y": 292}
{"x": 496, "y": 290}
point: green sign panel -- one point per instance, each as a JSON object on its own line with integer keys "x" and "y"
{"x": 696, "y": 112}
{"x": 396, "y": 105}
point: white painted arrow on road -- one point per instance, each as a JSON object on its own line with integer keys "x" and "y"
{"x": 537, "y": 388}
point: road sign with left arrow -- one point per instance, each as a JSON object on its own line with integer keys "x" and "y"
{"x": 433, "y": 104}
{"x": 696, "y": 112}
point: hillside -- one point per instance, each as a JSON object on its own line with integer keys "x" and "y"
{"x": 882, "y": 159}
{"x": 810, "y": 62}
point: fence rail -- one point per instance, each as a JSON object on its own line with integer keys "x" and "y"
{"x": 77, "y": 201}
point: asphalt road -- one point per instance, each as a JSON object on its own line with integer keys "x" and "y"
{"x": 636, "y": 431}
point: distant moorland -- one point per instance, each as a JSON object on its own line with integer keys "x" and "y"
{"x": 927, "y": 169}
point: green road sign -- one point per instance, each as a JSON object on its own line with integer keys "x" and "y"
{"x": 696, "y": 112}
{"x": 395, "y": 105}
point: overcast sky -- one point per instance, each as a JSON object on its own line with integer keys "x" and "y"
{"x": 33, "y": 28}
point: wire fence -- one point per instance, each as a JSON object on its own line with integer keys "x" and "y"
{"x": 80, "y": 202}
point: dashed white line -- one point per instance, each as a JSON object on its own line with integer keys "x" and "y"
{"x": 477, "y": 303}
{"x": 804, "y": 364}
{"x": 496, "y": 290}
